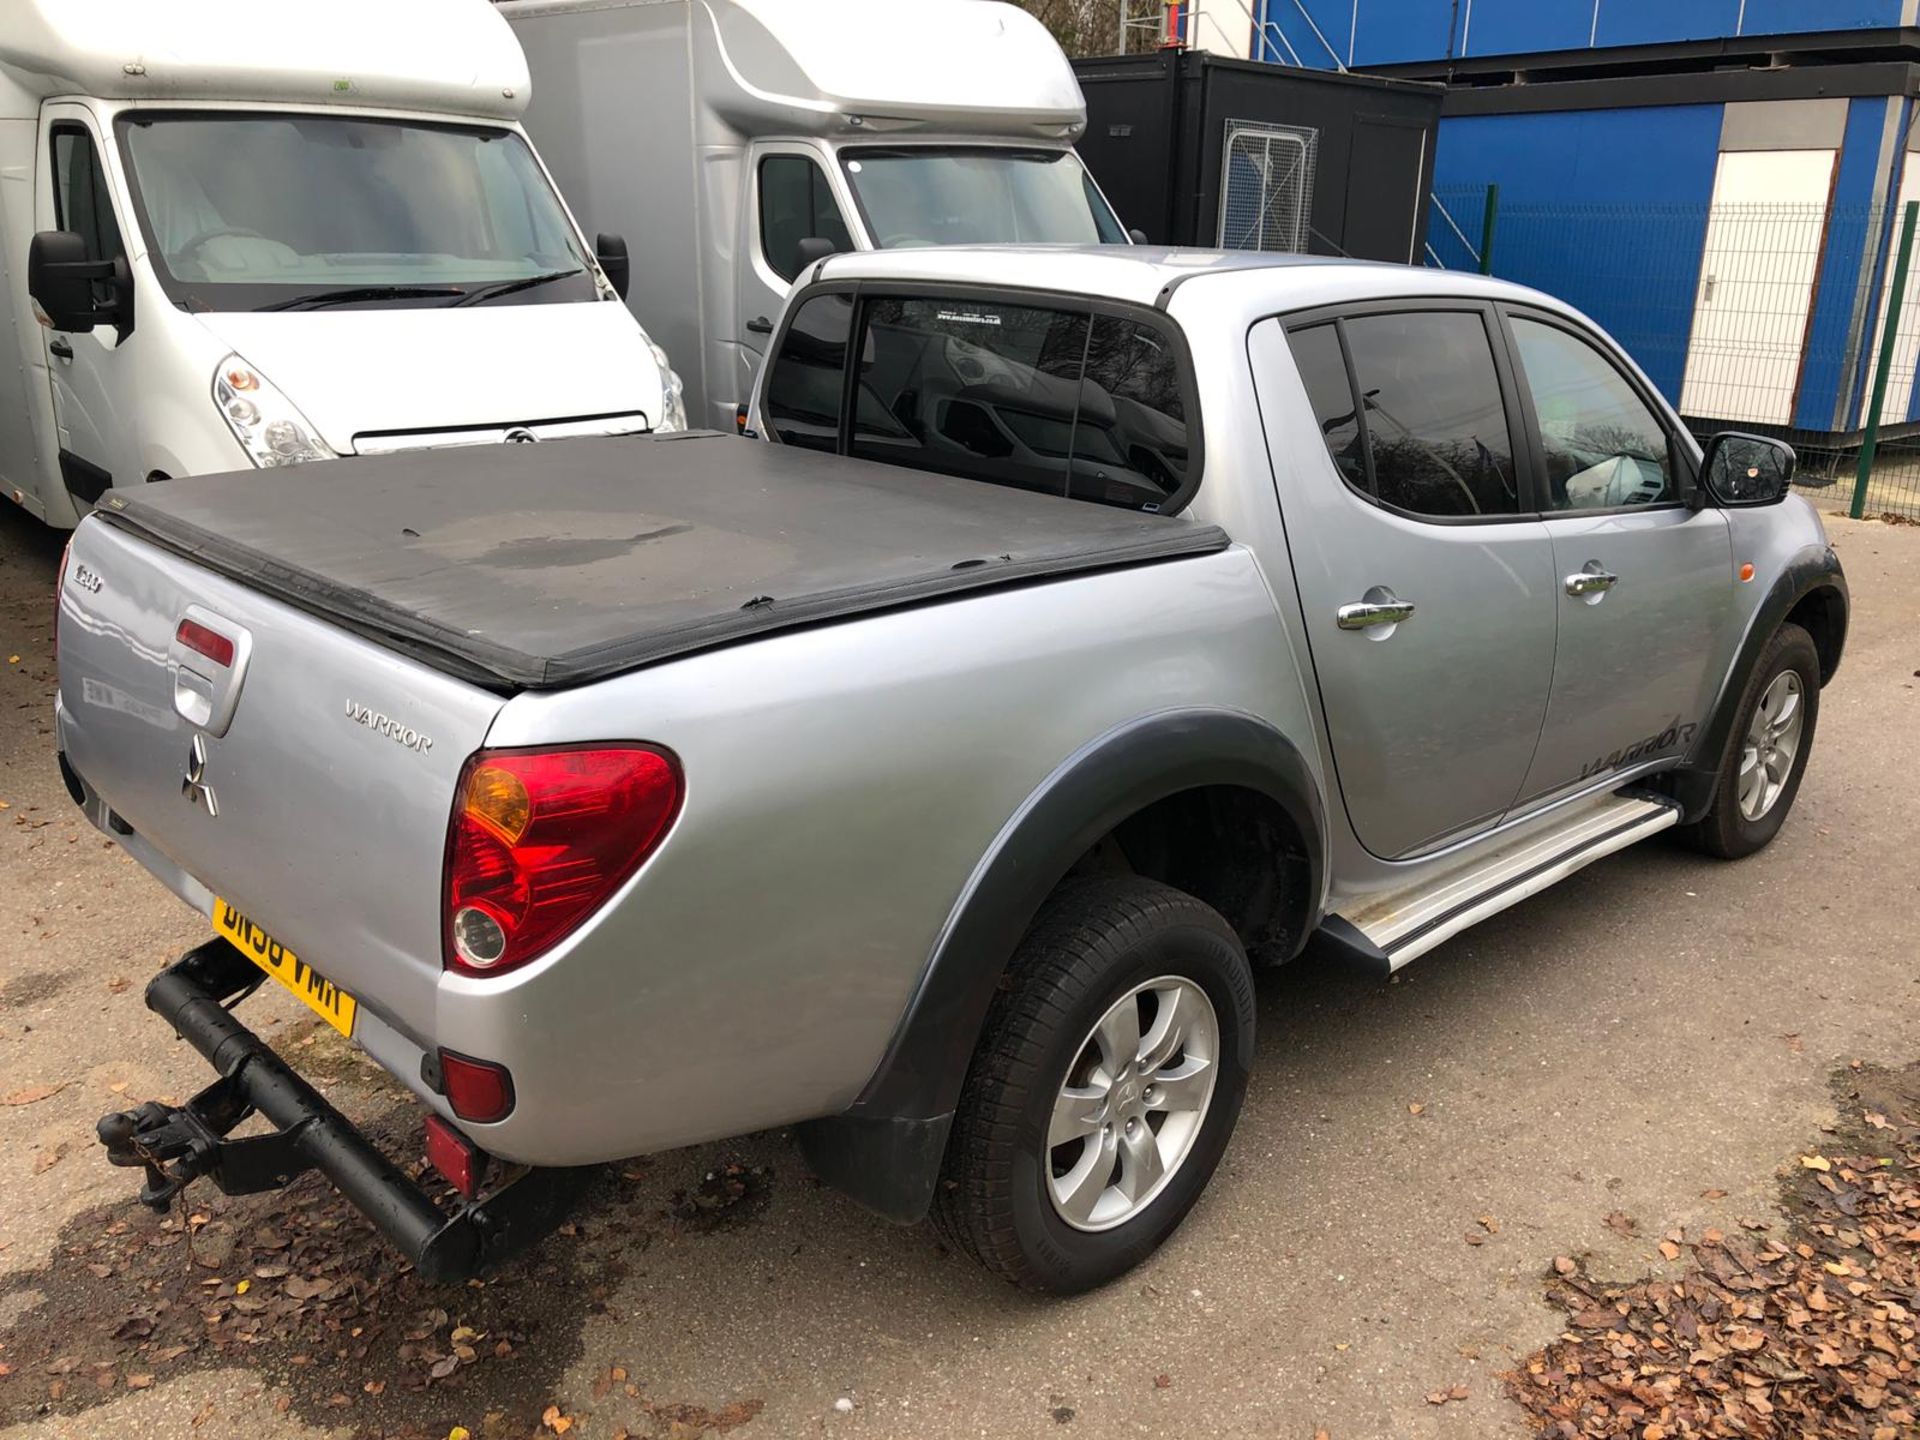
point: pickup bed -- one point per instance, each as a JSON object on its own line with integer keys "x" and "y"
{"x": 620, "y": 794}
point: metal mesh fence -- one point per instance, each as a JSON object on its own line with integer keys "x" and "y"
{"x": 1762, "y": 317}
{"x": 1267, "y": 180}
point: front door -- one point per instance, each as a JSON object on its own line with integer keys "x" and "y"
{"x": 1427, "y": 588}
{"x": 96, "y": 436}
{"x": 1645, "y": 581}
{"x": 791, "y": 197}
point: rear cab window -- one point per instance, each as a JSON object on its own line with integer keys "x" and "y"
{"x": 1057, "y": 394}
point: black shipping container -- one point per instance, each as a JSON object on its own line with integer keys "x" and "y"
{"x": 1194, "y": 149}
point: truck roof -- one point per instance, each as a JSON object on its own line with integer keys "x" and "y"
{"x": 1142, "y": 274}
{"x": 877, "y": 69}
{"x": 446, "y": 56}
{"x": 539, "y": 567}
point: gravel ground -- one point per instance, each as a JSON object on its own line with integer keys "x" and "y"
{"x": 1657, "y": 1031}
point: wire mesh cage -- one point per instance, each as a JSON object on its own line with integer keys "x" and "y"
{"x": 1266, "y": 187}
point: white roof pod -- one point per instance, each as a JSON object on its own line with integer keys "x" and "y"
{"x": 454, "y": 57}
{"x": 839, "y": 67}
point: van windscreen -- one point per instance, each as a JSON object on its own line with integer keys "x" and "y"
{"x": 977, "y": 195}
{"x": 253, "y": 211}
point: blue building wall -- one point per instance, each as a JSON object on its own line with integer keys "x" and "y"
{"x": 1587, "y": 218}
{"x": 1584, "y": 215}
{"x": 1360, "y": 33}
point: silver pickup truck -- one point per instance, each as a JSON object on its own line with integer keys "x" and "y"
{"x": 1082, "y": 629}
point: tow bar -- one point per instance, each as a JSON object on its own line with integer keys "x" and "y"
{"x": 177, "y": 1144}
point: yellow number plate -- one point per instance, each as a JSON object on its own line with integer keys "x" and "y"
{"x": 318, "y": 994}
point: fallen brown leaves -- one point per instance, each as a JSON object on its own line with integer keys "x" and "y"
{"x": 1811, "y": 1336}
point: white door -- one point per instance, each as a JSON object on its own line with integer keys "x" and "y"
{"x": 1764, "y": 239}
{"x": 1906, "y": 345}
{"x": 792, "y": 195}
{"x": 89, "y": 368}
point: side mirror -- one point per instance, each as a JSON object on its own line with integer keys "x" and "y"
{"x": 611, "y": 252}
{"x": 61, "y": 280}
{"x": 1746, "y": 470}
{"x": 814, "y": 248}
{"x": 1137, "y": 235}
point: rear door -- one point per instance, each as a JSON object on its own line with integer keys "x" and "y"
{"x": 1645, "y": 580}
{"x": 1426, "y": 581}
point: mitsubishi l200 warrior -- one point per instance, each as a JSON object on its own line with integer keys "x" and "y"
{"x": 1084, "y": 628}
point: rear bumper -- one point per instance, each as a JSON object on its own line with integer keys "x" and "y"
{"x": 177, "y": 1144}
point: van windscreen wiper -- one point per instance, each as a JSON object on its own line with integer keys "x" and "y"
{"x": 509, "y": 287}
{"x": 321, "y": 299}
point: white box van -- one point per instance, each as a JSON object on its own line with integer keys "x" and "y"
{"x": 314, "y": 228}
{"x": 734, "y": 140}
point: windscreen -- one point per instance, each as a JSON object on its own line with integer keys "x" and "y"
{"x": 248, "y": 212}
{"x": 978, "y": 195}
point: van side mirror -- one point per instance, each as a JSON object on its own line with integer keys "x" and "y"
{"x": 1747, "y": 470}
{"x": 611, "y": 252}
{"x": 1137, "y": 235}
{"x": 62, "y": 280}
{"x": 815, "y": 247}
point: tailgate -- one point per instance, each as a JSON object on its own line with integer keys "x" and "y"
{"x": 322, "y": 803}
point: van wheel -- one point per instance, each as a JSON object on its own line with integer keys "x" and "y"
{"x": 1106, "y": 1085}
{"x": 1767, "y": 753}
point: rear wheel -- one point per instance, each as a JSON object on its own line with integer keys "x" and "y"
{"x": 1107, "y": 1083}
{"x": 1767, "y": 754}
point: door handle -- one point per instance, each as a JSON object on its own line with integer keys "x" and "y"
{"x": 1366, "y": 614}
{"x": 760, "y": 326}
{"x": 1591, "y": 583}
{"x": 61, "y": 348}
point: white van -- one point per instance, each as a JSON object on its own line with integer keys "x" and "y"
{"x": 734, "y": 140}
{"x": 308, "y": 229}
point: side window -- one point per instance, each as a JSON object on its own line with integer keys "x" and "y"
{"x": 804, "y": 383}
{"x": 1435, "y": 426}
{"x": 1322, "y": 363}
{"x": 795, "y": 203}
{"x": 81, "y": 201}
{"x": 1604, "y": 446}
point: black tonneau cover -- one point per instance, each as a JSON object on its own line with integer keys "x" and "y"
{"x": 544, "y": 566}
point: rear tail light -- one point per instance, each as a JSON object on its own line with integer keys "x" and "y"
{"x": 541, "y": 839}
{"x": 459, "y": 1161}
{"x": 60, "y": 589}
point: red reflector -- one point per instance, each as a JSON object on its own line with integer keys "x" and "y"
{"x": 541, "y": 839}
{"x": 478, "y": 1090}
{"x": 457, "y": 1158}
{"x": 205, "y": 641}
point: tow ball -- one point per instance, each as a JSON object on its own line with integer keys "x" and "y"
{"x": 177, "y": 1144}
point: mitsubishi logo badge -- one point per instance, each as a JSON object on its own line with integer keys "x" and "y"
{"x": 195, "y": 786}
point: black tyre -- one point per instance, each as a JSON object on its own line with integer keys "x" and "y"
{"x": 1767, "y": 751}
{"x": 1070, "y": 1162}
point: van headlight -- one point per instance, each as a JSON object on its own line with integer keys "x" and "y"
{"x": 263, "y": 420}
{"x": 673, "y": 394}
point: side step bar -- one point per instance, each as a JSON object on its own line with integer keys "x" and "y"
{"x": 177, "y": 1144}
{"x": 1382, "y": 933}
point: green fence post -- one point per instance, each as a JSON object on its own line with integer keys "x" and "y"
{"x": 1486, "y": 229}
{"x": 1870, "y": 441}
